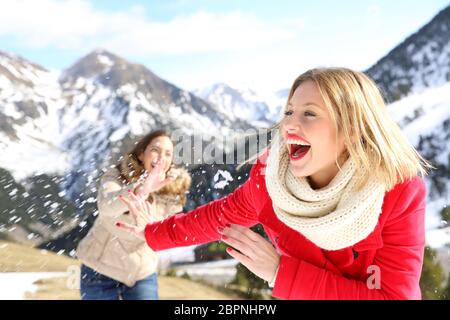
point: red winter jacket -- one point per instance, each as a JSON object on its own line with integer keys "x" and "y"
{"x": 395, "y": 247}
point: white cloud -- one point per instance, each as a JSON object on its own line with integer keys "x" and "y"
{"x": 263, "y": 72}
{"x": 77, "y": 25}
{"x": 239, "y": 48}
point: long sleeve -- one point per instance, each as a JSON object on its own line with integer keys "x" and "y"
{"x": 399, "y": 261}
{"x": 201, "y": 225}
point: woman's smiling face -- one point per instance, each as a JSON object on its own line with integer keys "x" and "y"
{"x": 307, "y": 122}
{"x": 159, "y": 149}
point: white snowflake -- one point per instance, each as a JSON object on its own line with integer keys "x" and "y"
{"x": 222, "y": 183}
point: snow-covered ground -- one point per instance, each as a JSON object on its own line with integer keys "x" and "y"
{"x": 216, "y": 272}
{"x": 182, "y": 254}
{"x": 421, "y": 113}
{"x": 14, "y": 285}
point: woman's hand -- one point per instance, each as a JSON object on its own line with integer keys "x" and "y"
{"x": 140, "y": 210}
{"x": 155, "y": 180}
{"x": 255, "y": 252}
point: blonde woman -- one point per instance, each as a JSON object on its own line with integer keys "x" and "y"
{"x": 117, "y": 264}
{"x": 338, "y": 193}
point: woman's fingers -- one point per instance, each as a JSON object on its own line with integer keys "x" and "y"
{"x": 126, "y": 226}
{"x": 126, "y": 201}
{"x": 243, "y": 245}
{"x": 255, "y": 252}
{"x": 131, "y": 228}
{"x": 145, "y": 211}
{"x": 167, "y": 181}
{"x": 246, "y": 261}
{"x": 242, "y": 236}
{"x": 148, "y": 212}
{"x": 138, "y": 201}
{"x": 138, "y": 207}
{"x": 246, "y": 232}
{"x": 247, "y": 241}
{"x": 134, "y": 197}
{"x": 156, "y": 178}
{"x": 131, "y": 206}
{"x": 159, "y": 167}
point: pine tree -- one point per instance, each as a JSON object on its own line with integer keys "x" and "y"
{"x": 445, "y": 214}
{"x": 432, "y": 276}
{"x": 446, "y": 290}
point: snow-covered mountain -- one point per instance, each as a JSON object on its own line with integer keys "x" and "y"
{"x": 32, "y": 162}
{"x": 245, "y": 104}
{"x": 415, "y": 79}
{"x": 421, "y": 61}
{"x": 30, "y": 98}
{"x": 70, "y": 125}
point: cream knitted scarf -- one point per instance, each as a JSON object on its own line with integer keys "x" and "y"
{"x": 333, "y": 217}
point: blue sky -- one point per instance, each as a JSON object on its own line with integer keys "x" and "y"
{"x": 258, "y": 44}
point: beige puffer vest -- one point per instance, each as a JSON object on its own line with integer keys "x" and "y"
{"x": 118, "y": 253}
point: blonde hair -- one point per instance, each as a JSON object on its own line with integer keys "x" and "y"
{"x": 373, "y": 140}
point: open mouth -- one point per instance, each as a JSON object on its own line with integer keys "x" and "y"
{"x": 297, "y": 149}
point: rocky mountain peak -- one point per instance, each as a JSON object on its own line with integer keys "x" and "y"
{"x": 421, "y": 61}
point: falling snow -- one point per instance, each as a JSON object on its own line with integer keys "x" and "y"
{"x": 227, "y": 178}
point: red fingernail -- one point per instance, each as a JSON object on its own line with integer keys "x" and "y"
{"x": 224, "y": 237}
{"x": 220, "y": 229}
{"x": 229, "y": 249}
{"x": 118, "y": 224}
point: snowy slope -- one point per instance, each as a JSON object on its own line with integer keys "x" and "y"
{"x": 29, "y": 101}
{"x": 16, "y": 285}
{"x": 425, "y": 120}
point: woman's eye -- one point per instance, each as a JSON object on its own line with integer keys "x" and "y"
{"x": 306, "y": 113}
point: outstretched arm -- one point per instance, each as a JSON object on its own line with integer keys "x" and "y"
{"x": 202, "y": 224}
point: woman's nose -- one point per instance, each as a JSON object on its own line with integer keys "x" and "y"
{"x": 291, "y": 124}
{"x": 162, "y": 160}
{"x": 157, "y": 159}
